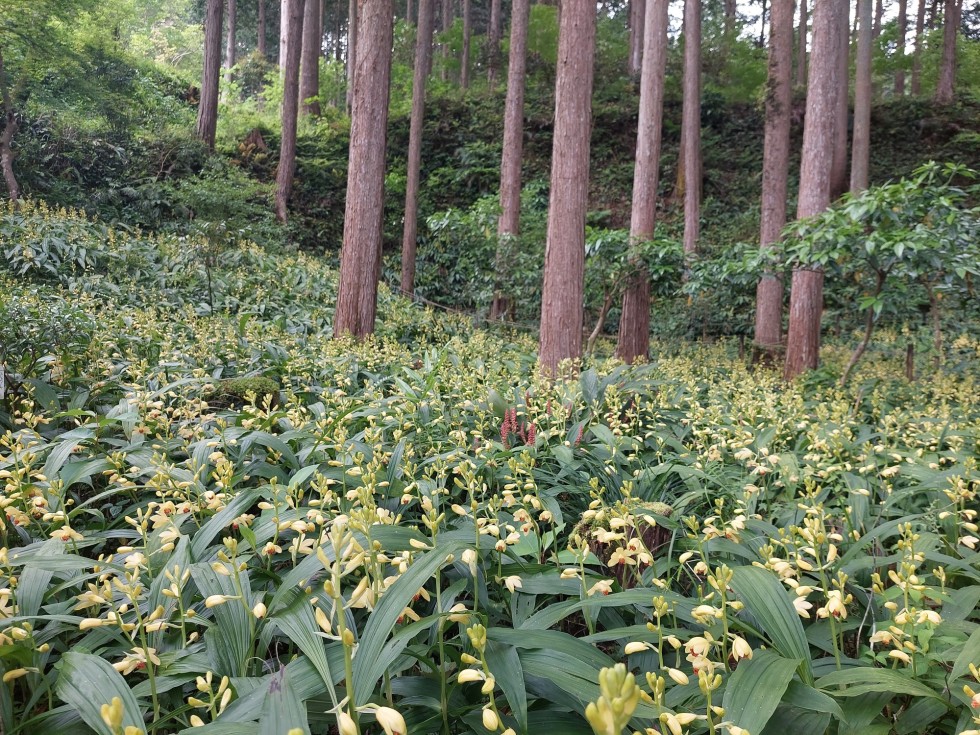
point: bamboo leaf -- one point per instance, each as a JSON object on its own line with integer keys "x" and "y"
{"x": 768, "y": 602}
{"x": 86, "y": 682}
{"x": 756, "y": 688}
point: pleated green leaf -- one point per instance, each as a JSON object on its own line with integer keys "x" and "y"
{"x": 282, "y": 710}
{"x": 769, "y": 603}
{"x": 369, "y": 663}
{"x": 756, "y": 688}
{"x": 863, "y": 679}
{"x": 86, "y": 682}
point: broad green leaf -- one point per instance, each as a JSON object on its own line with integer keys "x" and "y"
{"x": 969, "y": 655}
{"x": 769, "y": 603}
{"x": 296, "y": 620}
{"x": 283, "y": 710}
{"x": 806, "y": 697}
{"x": 756, "y": 688}
{"x": 207, "y": 533}
{"x": 920, "y": 714}
{"x": 35, "y": 579}
{"x": 505, "y": 665}
{"x": 229, "y": 639}
{"x": 863, "y": 679}
{"x": 368, "y": 667}
{"x": 788, "y": 719}
{"x": 86, "y": 682}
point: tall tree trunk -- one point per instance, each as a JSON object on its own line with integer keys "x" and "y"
{"x": 806, "y": 296}
{"x": 353, "y": 21}
{"x": 637, "y": 24}
{"x": 879, "y": 14}
{"x": 933, "y": 14}
{"x": 230, "y": 46}
{"x": 903, "y": 24}
{"x": 260, "y": 30}
{"x": 290, "y": 107}
{"x": 775, "y": 172}
{"x": 447, "y": 23}
{"x": 762, "y": 25}
{"x": 464, "y": 75}
{"x": 493, "y": 44}
{"x": 10, "y": 126}
{"x": 409, "y": 17}
{"x": 920, "y": 22}
{"x": 360, "y": 256}
{"x": 861, "y": 147}
{"x": 508, "y": 226}
{"x": 947, "y": 66}
{"x": 634, "y": 324}
{"x": 731, "y": 16}
{"x": 312, "y": 40}
{"x": 838, "y": 176}
{"x": 800, "y": 79}
{"x": 691, "y": 125}
{"x": 423, "y": 59}
{"x": 564, "y": 255}
{"x": 207, "y": 111}
{"x": 283, "y": 34}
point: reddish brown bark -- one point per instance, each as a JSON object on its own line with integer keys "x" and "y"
{"x": 10, "y": 126}
{"x": 290, "y": 109}
{"x": 207, "y": 111}
{"x": 352, "y": 24}
{"x": 634, "y": 324}
{"x": 861, "y": 145}
{"x": 423, "y": 57}
{"x": 806, "y": 296}
{"x": 309, "y": 81}
{"x": 261, "y": 29}
{"x": 360, "y": 256}
{"x": 800, "y": 78}
{"x": 775, "y": 172}
{"x": 636, "y": 24}
{"x": 947, "y": 66}
{"x": 508, "y": 226}
{"x": 839, "y": 171}
{"x": 691, "y": 125}
{"x": 564, "y": 259}
{"x": 493, "y": 44}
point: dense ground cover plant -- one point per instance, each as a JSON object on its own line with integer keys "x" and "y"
{"x": 216, "y": 518}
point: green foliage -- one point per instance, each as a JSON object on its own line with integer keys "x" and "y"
{"x": 418, "y": 526}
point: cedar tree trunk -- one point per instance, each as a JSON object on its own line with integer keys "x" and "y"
{"x": 312, "y": 40}
{"x": 207, "y": 111}
{"x": 260, "y": 30}
{"x": 806, "y": 296}
{"x": 352, "y": 24}
{"x": 564, "y": 255}
{"x": 464, "y": 77}
{"x": 360, "y": 256}
{"x": 801, "y": 46}
{"x": 861, "y": 145}
{"x": 290, "y": 107}
{"x": 637, "y": 24}
{"x": 839, "y": 170}
{"x": 920, "y": 22}
{"x": 775, "y": 172}
{"x": 230, "y": 41}
{"x": 691, "y": 125}
{"x": 634, "y": 324}
{"x": 493, "y": 44}
{"x": 947, "y": 66}
{"x": 903, "y": 24}
{"x": 423, "y": 58}
{"x": 508, "y": 226}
